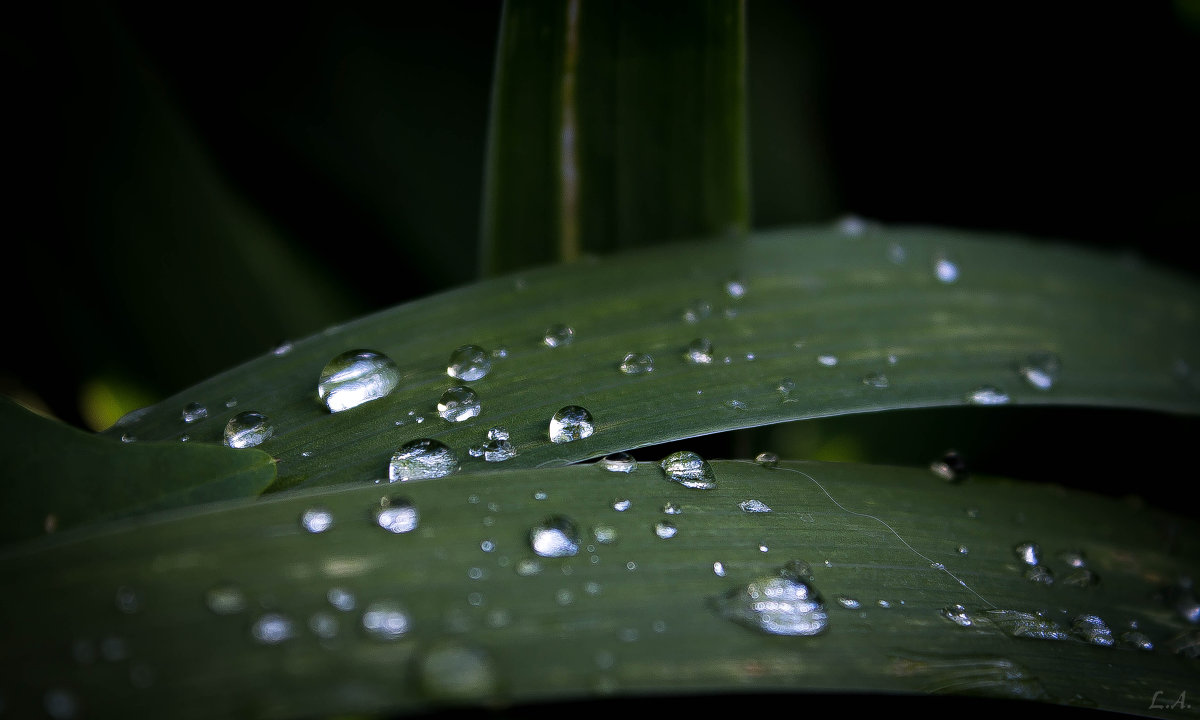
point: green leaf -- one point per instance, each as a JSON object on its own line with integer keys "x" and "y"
{"x": 614, "y": 125}
{"x": 116, "y": 618}
{"x": 1127, "y": 336}
{"x": 58, "y": 477}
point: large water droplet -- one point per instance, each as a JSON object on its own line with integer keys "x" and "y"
{"x": 558, "y": 335}
{"x": 621, "y": 462}
{"x": 1090, "y": 628}
{"x": 637, "y": 364}
{"x": 458, "y": 404}
{"x": 778, "y": 605}
{"x": 946, "y": 271}
{"x": 556, "y": 536}
{"x": 469, "y": 363}
{"x": 699, "y": 352}
{"x": 987, "y": 395}
{"x": 665, "y": 530}
{"x": 272, "y": 629}
{"x": 768, "y": 460}
{"x": 385, "y": 620}
{"x": 571, "y": 423}
{"x": 396, "y": 514}
{"x": 356, "y": 377}
{"x": 690, "y": 470}
{"x": 316, "y": 520}
{"x": 1040, "y": 370}
{"x": 422, "y": 459}
{"x": 248, "y": 429}
{"x": 194, "y": 412}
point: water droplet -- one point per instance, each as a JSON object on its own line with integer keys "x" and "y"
{"x": 785, "y": 388}
{"x": 946, "y": 271}
{"x": 852, "y": 226}
{"x": 735, "y": 289}
{"x": 283, "y": 348}
{"x": 194, "y": 412}
{"x": 896, "y": 252}
{"x": 671, "y": 508}
{"x": 848, "y": 602}
{"x": 987, "y": 395}
{"x": 884, "y": 604}
{"x": 1040, "y": 370}
{"x": 1091, "y": 629}
{"x": 621, "y": 462}
{"x": 500, "y": 352}
{"x": 185, "y": 438}
{"x": 699, "y": 352}
{"x": 454, "y": 673}
{"x": 957, "y": 614}
{"x": 458, "y": 404}
{"x": 665, "y": 530}
{"x": 498, "y": 432}
{"x": 690, "y": 470}
{"x": 754, "y": 506}
{"x": 558, "y": 335}
{"x": 622, "y": 504}
{"x": 767, "y": 459}
{"x": 498, "y": 451}
{"x": 951, "y": 468}
{"x": 827, "y": 360}
{"x": 341, "y": 598}
{"x": 875, "y": 380}
{"x": 356, "y": 377}
{"x": 963, "y": 550}
{"x": 469, "y": 363}
{"x": 422, "y": 459}
{"x": 248, "y": 429}
{"x": 697, "y": 311}
{"x": 777, "y": 605}
{"x": 637, "y": 364}
{"x": 1028, "y": 553}
{"x": 385, "y": 620}
{"x": 556, "y": 536}
{"x": 316, "y": 520}
{"x": 1138, "y": 640}
{"x": 128, "y": 437}
{"x": 272, "y": 629}
{"x": 396, "y": 514}
{"x": 231, "y": 402}
{"x": 736, "y": 405}
{"x": 604, "y": 534}
{"x": 571, "y": 423}
{"x": 1026, "y": 625}
{"x": 719, "y": 569}
{"x": 225, "y": 600}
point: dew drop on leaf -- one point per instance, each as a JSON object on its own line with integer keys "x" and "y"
{"x": 558, "y": 335}
{"x": 621, "y": 462}
{"x": 341, "y": 599}
{"x": 571, "y": 423}
{"x": 848, "y": 602}
{"x": 396, "y": 515}
{"x": 458, "y": 404}
{"x": 875, "y": 380}
{"x": 754, "y": 506}
{"x": 767, "y": 459}
{"x": 699, "y": 352}
{"x": 690, "y": 470}
{"x": 957, "y": 614}
{"x": 776, "y": 605}
{"x": 1040, "y": 370}
{"x": 385, "y": 620}
{"x": 272, "y": 629}
{"x": 422, "y": 459}
{"x": 556, "y": 536}
{"x": 987, "y": 395}
{"x": 469, "y": 363}
{"x": 827, "y": 360}
{"x": 194, "y": 412}
{"x": 945, "y": 270}
{"x": 248, "y": 429}
{"x": 316, "y": 520}
{"x": 665, "y": 530}
{"x": 356, "y": 377}
{"x": 1091, "y": 629}
{"x": 637, "y": 364}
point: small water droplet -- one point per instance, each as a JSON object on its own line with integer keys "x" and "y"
{"x": 945, "y": 270}
{"x": 875, "y": 380}
{"x": 248, "y": 429}
{"x": 558, "y": 335}
{"x": 719, "y": 569}
{"x": 951, "y": 467}
{"x": 963, "y": 550}
{"x": 469, "y": 363}
{"x": 396, "y": 514}
{"x": 671, "y": 508}
{"x": 697, "y": 311}
{"x": 498, "y": 451}
{"x": 458, "y": 404}
{"x": 637, "y": 364}
{"x": 604, "y": 534}
{"x": 885, "y": 604}
{"x": 785, "y": 388}
{"x": 1026, "y": 625}
{"x": 767, "y": 459}
{"x": 665, "y": 530}
{"x": 621, "y": 462}
{"x": 128, "y": 437}
{"x": 185, "y": 438}
{"x": 498, "y": 432}
{"x": 341, "y": 599}
{"x": 699, "y": 352}
{"x": 1040, "y": 370}
{"x": 356, "y": 377}
{"x": 1091, "y": 629}
{"x": 622, "y": 504}
{"x": 272, "y": 629}
{"x": 283, "y": 348}
{"x": 500, "y": 352}
{"x": 225, "y": 600}
{"x": 777, "y": 605}
{"x": 556, "y": 536}
{"x": 848, "y": 602}
{"x": 316, "y": 520}
{"x": 571, "y": 423}
{"x": 987, "y": 395}
{"x": 690, "y": 470}
{"x": 540, "y": 495}
{"x": 194, "y": 412}
{"x": 422, "y": 459}
{"x": 385, "y": 620}
{"x": 1137, "y": 640}
{"x": 957, "y": 614}
{"x": 231, "y": 402}
{"x": 1029, "y": 553}
{"x": 736, "y": 405}
{"x": 827, "y": 360}
{"x": 754, "y": 506}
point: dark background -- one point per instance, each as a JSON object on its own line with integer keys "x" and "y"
{"x": 187, "y": 190}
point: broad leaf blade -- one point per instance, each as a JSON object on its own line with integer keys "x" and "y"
{"x": 490, "y": 623}
{"x": 1127, "y": 336}
{"x": 614, "y": 125}
{"x": 58, "y": 477}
